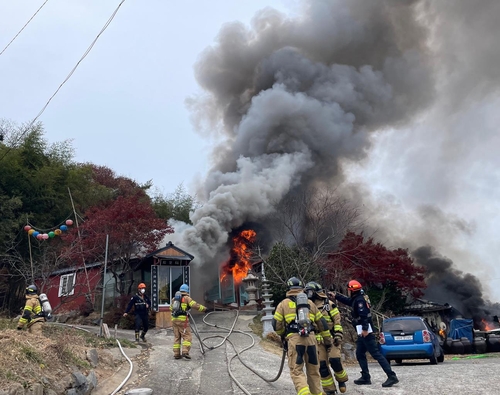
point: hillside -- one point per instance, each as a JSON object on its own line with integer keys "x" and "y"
{"x": 31, "y": 361}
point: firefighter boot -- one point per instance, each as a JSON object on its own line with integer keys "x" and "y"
{"x": 391, "y": 380}
{"x": 186, "y": 355}
{"x": 365, "y": 379}
{"x": 342, "y": 387}
{"x": 143, "y": 336}
{"x": 137, "y": 337}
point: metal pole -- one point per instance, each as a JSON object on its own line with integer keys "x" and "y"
{"x": 104, "y": 285}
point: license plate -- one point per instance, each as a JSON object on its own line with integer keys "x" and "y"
{"x": 409, "y": 337}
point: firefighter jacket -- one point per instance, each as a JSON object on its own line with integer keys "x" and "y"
{"x": 286, "y": 313}
{"x": 331, "y": 314}
{"x": 361, "y": 314}
{"x": 141, "y": 304}
{"x": 187, "y": 303}
{"x": 32, "y": 312}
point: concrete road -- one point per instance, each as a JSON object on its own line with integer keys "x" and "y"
{"x": 208, "y": 374}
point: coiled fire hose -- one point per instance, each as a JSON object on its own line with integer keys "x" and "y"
{"x": 238, "y": 353}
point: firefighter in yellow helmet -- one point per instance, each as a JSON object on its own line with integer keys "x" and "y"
{"x": 295, "y": 320}
{"x": 180, "y": 307}
{"x": 331, "y": 314}
{"x": 33, "y": 317}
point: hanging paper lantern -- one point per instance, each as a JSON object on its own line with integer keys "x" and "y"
{"x": 57, "y": 232}
{"x": 27, "y": 228}
{"x": 39, "y": 236}
{"x": 64, "y": 228}
{"x": 35, "y": 234}
{"x": 51, "y": 234}
{"x": 69, "y": 222}
{"x": 45, "y": 236}
{"x": 31, "y": 231}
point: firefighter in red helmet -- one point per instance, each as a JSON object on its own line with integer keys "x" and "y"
{"x": 362, "y": 321}
{"x": 141, "y": 303}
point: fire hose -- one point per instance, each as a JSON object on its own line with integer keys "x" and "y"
{"x": 237, "y": 353}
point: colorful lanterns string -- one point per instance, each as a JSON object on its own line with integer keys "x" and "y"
{"x": 50, "y": 235}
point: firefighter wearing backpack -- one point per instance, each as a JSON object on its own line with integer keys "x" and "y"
{"x": 331, "y": 314}
{"x": 141, "y": 303}
{"x": 33, "y": 317}
{"x": 180, "y": 322}
{"x": 298, "y": 337}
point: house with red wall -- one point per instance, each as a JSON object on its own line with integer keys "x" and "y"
{"x": 71, "y": 289}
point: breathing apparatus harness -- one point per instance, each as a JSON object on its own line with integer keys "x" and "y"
{"x": 302, "y": 324}
{"x": 177, "y": 305}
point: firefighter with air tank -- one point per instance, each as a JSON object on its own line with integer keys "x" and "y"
{"x": 332, "y": 358}
{"x": 295, "y": 320}
{"x": 180, "y": 306}
{"x": 36, "y": 310}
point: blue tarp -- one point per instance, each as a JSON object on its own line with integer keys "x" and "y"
{"x": 461, "y": 327}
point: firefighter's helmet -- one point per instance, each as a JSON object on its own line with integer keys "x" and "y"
{"x": 354, "y": 286}
{"x": 184, "y": 288}
{"x": 141, "y": 285}
{"x": 312, "y": 289}
{"x": 31, "y": 289}
{"x": 294, "y": 283}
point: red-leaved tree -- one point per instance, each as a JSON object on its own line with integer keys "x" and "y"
{"x": 133, "y": 228}
{"x": 375, "y": 266}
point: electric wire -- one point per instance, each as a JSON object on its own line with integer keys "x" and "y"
{"x": 108, "y": 22}
{"x": 20, "y": 31}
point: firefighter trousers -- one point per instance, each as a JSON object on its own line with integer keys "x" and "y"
{"x": 330, "y": 359}
{"x": 369, "y": 344}
{"x": 182, "y": 332}
{"x": 302, "y": 351}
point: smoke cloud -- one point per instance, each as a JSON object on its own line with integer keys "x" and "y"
{"x": 368, "y": 97}
{"x": 292, "y": 98}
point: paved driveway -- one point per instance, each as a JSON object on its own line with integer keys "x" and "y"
{"x": 208, "y": 374}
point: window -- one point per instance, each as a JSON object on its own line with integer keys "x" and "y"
{"x": 67, "y": 285}
{"x": 170, "y": 279}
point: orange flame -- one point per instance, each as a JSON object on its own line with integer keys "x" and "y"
{"x": 241, "y": 255}
{"x": 487, "y": 326}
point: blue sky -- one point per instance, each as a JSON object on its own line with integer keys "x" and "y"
{"x": 124, "y": 106}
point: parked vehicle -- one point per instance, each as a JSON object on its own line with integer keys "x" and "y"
{"x": 409, "y": 338}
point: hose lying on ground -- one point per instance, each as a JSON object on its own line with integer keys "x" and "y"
{"x": 238, "y": 353}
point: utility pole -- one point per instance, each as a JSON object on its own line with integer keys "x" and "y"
{"x": 104, "y": 286}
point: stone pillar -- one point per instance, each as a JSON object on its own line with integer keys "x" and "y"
{"x": 268, "y": 308}
{"x": 251, "y": 289}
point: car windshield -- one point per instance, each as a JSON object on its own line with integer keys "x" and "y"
{"x": 403, "y": 326}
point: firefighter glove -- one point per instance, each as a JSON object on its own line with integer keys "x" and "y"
{"x": 319, "y": 339}
{"x": 336, "y": 341}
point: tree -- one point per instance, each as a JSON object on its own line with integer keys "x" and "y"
{"x": 177, "y": 205}
{"x": 390, "y": 271}
{"x": 133, "y": 228}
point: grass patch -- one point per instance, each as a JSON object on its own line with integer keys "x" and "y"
{"x": 31, "y": 354}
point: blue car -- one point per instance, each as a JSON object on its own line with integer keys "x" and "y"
{"x": 409, "y": 338}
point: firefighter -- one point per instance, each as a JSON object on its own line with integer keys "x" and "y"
{"x": 298, "y": 340}
{"x": 180, "y": 323}
{"x": 33, "y": 317}
{"x": 331, "y": 314}
{"x": 141, "y": 303}
{"x": 362, "y": 321}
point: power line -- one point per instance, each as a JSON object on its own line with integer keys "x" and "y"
{"x": 65, "y": 80}
{"x": 19, "y": 32}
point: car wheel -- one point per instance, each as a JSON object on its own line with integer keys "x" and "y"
{"x": 441, "y": 356}
{"x": 433, "y": 360}
{"x": 399, "y": 361}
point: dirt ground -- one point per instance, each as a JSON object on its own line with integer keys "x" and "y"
{"x": 27, "y": 358}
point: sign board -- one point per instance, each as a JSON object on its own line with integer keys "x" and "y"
{"x": 154, "y": 288}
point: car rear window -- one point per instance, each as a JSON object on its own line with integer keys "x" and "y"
{"x": 403, "y": 326}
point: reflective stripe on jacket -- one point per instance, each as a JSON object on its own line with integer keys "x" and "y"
{"x": 187, "y": 303}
